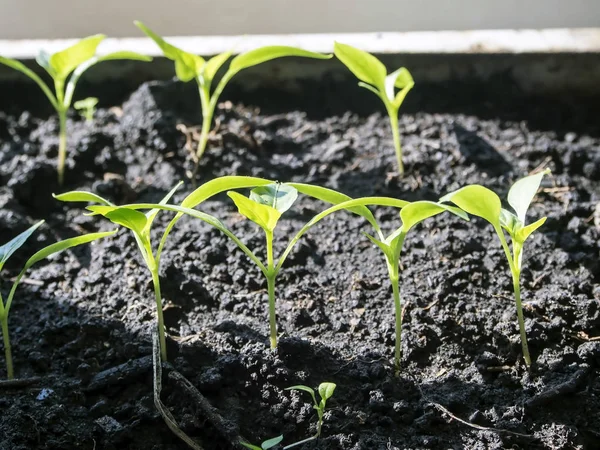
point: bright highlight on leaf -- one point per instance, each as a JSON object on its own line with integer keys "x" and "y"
{"x": 373, "y": 76}
{"x": 189, "y": 66}
{"x": 480, "y": 201}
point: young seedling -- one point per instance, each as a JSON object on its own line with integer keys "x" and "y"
{"x": 189, "y": 66}
{"x": 6, "y": 251}
{"x": 482, "y": 202}
{"x": 65, "y": 68}
{"x": 269, "y": 443}
{"x": 325, "y": 392}
{"x": 411, "y": 214}
{"x": 87, "y": 108}
{"x": 373, "y": 76}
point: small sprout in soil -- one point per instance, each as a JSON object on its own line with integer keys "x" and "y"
{"x": 482, "y": 202}
{"x": 140, "y": 225}
{"x": 65, "y": 68}
{"x": 269, "y": 443}
{"x": 373, "y": 76}
{"x": 326, "y": 390}
{"x": 87, "y": 108}
{"x": 189, "y": 67}
{"x": 7, "y": 250}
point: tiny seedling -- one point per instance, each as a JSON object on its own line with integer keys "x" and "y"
{"x": 269, "y": 443}
{"x": 326, "y": 390}
{"x": 65, "y": 68}
{"x": 5, "y": 253}
{"x": 411, "y": 214}
{"x": 189, "y": 66}
{"x": 87, "y": 108}
{"x": 373, "y": 76}
{"x": 482, "y": 202}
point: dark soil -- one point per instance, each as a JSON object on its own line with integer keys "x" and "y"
{"x": 80, "y": 316}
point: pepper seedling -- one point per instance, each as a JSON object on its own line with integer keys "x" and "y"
{"x": 326, "y": 390}
{"x": 483, "y": 202}
{"x": 65, "y": 68}
{"x": 266, "y": 445}
{"x": 373, "y": 76}
{"x": 87, "y": 108}
{"x": 189, "y": 66}
{"x": 5, "y": 253}
{"x": 411, "y": 214}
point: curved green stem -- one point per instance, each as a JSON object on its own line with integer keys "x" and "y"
{"x": 62, "y": 145}
{"x": 159, "y": 312}
{"x": 7, "y": 349}
{"x": 208, "y": 110}
{"x": 396, "y": 135}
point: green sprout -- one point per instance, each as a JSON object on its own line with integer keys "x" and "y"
{"x": 5, "y": 253}
{"x": 189, "y": 66}
{"x": 269, "y": 443}
{"x": 482, "y": 202}
{"x": 65, "y": 68}
{"x": 411, "y": 214}
{"x": 373, "y": 76}
{"x": 87, "y": 108}
{"x": 326, "y": 390}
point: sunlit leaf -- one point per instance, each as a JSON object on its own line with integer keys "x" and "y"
{"x": 478, "y": 201}
{"x": 401, "y": 79}
{"x": 151, "y": 215}
{"x": 526, "y": 231}
{"x": 129, "y": 218}
{"x": 277, "y": 195}
{"x": 43, "y": 59}
{"x": 218, "y": 185}
{"x": 263, "y": 215}
{"x": 15, "y": 243}
{"x": 326, "y": 390}
{"x": 264, "y": 54}
{"x": 82, "y": 196}
{"x": 522, "y": 192}
{"x": 509, "y": 221}
{"x": 65, "y": 61}
{"x": 270, "y": 443}
{"x": 363, "y": 65}
{"x": 213, "y": 65}
{"x": 86, "y": 103}
{"x": 418, "y": 211}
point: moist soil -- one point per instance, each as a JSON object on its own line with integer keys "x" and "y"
{"x": 82, "y": 321}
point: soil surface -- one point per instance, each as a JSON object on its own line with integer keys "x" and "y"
{"x": 82, "y": 321}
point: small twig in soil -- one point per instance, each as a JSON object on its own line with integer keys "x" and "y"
{"x": 499, "y": 368}
{"x": 567, "y": 387}
{"x": 431, "y": 305}
{"x": 162, "y": 409}
{"x": 584, "y": 337}
{"x": 477, "y": 427}
{"x": 19, "y": 383}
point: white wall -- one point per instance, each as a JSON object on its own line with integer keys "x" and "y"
{"x": 39, "y": 19}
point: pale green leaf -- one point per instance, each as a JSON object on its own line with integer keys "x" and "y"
{"x": 218, "y": 185}
{"x": 401, "y": 79}
{"x": 326, "y": 390}
{"x": 363, "y": 65}
{"x": 15, "y": 243}
{"x": 478, "y": 201}
{"x": 509, "y": 221}
{"x": 264, "y": 54}
{"x": 65, "y": 61}
{"x": 277, "y": 195}
{"x": 270, "y": 443}
{"x": 86, "y": 103}
{"x": 523, "y": 233}
{"x": 370, "y": 88}
{"x": 263, "y": 215}
{"x": 82, "y": 196}
{"x": 124, "y": 54}
{"x": 58, "y": 247}
{"x": 384, "y": 246}
{"x": 151, "y": 215}
{"x": 213, "y": 65}
{"x": 418, "y": 211}
{"x": 129, "y": 218}
{"x": 43, "y": 59}
{"x": 522, "y": 192}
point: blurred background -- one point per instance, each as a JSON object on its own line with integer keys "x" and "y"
{"x": 51, "y": 19}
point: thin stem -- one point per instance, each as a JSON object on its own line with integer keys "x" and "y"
{"x": 271, "y": 274}
{"x": 208, "y": 110}
{"x": 62, "y": 144}
{"x": 517, "y": 289}
{"x": 304, "y": 441}
{"x": 396, "y": 135}
{"x": 159, "y": 312}
{"x": 7, "y": 348}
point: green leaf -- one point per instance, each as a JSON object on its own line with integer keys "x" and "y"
{"x": 151, "y": 215}
{"x": 522, "y": 192}
{"x": 187, "y": 65}
{"x": 20, "y": 67}
{"x": 82, "y": 196}
{"x": 363, "y": 65}
{"x": 385, "y": 247}
{"x": 218, "y": 185}
{"x": 263, "y": 215}
{"x": 416, "y": 212}
{"x": 270, "y": 443}
{"x": 478, "y": 201}
{"x": 326, "y": 390}
{"x": 213, "y": 65}
{"x": 123, "y": 54}
{"x": 264, "y": 54}
{"x": 86, "y": 103}
{"x": 523, "y": 233}
{"x": 58, "y": 247}
{"x": 65, "y": 61}
{"x": 17, "y": 242}
{"x": 277, "y": 195}
{"x": 129, "y": 218}
{"x": 509, "y": 221}
{"x": 250, "y": 446}
{"x": 401, "y": 79}
{"x": 43, "y": 59}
